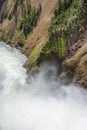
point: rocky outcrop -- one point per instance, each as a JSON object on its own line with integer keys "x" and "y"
{"x": 74, "y": 67}
{"x": 79, "y": 38}
{"x": 80, "y": 76}
{"x": 65, "y": 42}
{"x": 77, "y": 64}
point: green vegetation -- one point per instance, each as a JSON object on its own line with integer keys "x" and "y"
{"x": 30, "y": 16}
{"x": 62, "y": 6}
{"x": 56, "y": 48}
{"x": 24, "y": 23}
{"x": 13, "y": 10}
{"x": 30, "y": 20}
{"x": 18, "y": 38}
{"x": 69, "y": 16}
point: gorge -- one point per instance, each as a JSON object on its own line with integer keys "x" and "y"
{"x": 43, "y": 64}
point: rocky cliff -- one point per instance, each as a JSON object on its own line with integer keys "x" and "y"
{"x": 48, "y": 30}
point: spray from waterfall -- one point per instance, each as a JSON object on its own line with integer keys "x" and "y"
{"x": 41, "y": 104}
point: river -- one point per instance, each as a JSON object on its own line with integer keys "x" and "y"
{"x": 40, "y": 103}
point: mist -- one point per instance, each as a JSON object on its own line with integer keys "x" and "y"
{"x": 41, "y": 103}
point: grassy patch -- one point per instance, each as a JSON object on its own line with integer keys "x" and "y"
{"x": 18, "y": 37}
{"x": 68, "y": 17}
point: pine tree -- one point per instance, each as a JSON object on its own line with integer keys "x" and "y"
{"x": 60, "y": 6}
{"x": 65, "y": 4}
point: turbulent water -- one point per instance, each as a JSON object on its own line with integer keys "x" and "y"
{"x": 40, "y": 103}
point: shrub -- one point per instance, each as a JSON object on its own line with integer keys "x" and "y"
{"x": 30, "y": 20}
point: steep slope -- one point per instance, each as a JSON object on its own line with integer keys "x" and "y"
{"x": 39, "y": 35}
{"x": 10, "y": 17}
{"x": 77, "y": 63}
{"x": 67, "y": 36}
{"x": 45, "y": 17}
{"x": 48, "y": 30}
{"x": 37, "y": 38}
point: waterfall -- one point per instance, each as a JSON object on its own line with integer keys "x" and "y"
{"x": 41, "y": 103}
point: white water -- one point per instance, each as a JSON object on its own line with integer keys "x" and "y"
{"x": 41, "y": 104}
